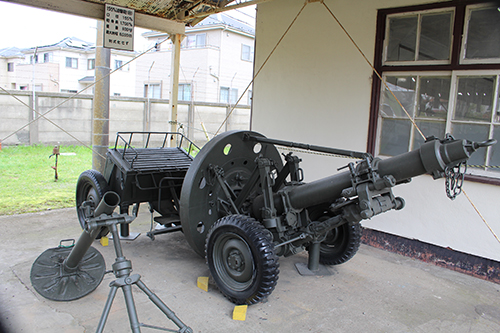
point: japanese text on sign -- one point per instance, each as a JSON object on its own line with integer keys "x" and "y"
{"x": 119, "y": 28}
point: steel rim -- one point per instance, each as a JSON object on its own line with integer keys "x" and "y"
{"x": 89, "y": 193}
{"x": 233, "y": 261}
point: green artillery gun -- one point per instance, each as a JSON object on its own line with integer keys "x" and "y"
{"x": 241, "y": 204}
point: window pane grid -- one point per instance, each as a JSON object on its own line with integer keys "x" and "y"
{"x": 482, "y": 34}
{"x": 474, "y": 119}
{"x": 419, "y": 38}
{"x": 458, "y": 96}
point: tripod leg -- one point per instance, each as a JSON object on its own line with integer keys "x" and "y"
{"x": 107, "y": 307}
{"x": 159, "y": 303}
{"x": 132, "y": 313}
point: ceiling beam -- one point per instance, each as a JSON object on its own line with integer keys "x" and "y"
{"x": 96, "y": 11}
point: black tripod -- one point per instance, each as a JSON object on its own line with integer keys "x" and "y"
{"x": 122, "y": 268}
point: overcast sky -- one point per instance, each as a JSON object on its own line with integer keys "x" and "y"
{"x": 24, "y": 26}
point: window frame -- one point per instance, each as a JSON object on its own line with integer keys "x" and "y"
{"x": 47, "y": 57}
{"x": 193, "y": 41}
{"x": 250, "y": 52}
{"x": 419, "y": 15}
{"x": 467, "y": 17}
{"x": 455, "y": 66}
{"x": 156, "y": 87}
{"x": 71, "y": 61}
{"x": 232, "y": 95}
{"x": 118, "y": 65}
{"x": 183, "y": 91}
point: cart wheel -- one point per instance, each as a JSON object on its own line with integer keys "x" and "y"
{"x": 90, "y": 188}
{"x": 241, "y": 259}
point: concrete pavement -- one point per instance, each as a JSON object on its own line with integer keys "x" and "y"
{"x": 376, "y": 291}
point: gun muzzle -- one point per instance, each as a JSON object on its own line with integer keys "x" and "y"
{"x": 433, "y": 157}
{"x": 110, "y": 200}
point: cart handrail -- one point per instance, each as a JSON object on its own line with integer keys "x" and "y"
{"x": 120, "y": 137}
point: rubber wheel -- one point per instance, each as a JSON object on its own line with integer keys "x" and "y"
{"x": 241, "y": 259}
{"x": 340, "y": 244}
{"x": 91, "y": 186}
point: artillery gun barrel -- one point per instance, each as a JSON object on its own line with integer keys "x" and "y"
{"x": 432, "y": 157}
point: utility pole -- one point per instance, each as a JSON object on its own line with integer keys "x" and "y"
{"x": 174, "y": 79}
{"x": 100, "y": 119}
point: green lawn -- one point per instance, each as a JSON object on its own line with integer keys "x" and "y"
{"x": 27, "y": 181}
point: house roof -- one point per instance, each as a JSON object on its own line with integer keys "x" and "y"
{"x": 224, "y": 19}
{"x": 10, "y": 52}
{"x": 68, "y": 43}
{"x": 87, "y": 79}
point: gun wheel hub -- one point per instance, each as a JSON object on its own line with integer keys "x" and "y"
{"x": 235, "y": 255}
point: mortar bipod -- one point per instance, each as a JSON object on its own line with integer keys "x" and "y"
{"x": 122, "y": 268}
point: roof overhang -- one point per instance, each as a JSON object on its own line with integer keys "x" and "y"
{"x": 170, "y": 16}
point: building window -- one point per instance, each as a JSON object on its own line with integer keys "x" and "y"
{"x": 90, "y": 63}
{"x": 121, "y": 66}
{"x": 422, "y": 37}
{"x": 34, "y": 57}
{"x": 152, "y": 90}
{"x": 10, "y": 67}
{"x": 47, "y": 57}
{"x": 482, "y": 40}
{"x": 158, "y": 46}
{"x": 184, "y": 92}
{"x": 71, "y": 62}
{"x": 228, "y": 95}
{"x": 440, "y": 79}
{"x": 194, "y": 41}
{"x": 246, "y": 52}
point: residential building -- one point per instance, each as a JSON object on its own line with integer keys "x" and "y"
{"x": 67, "y": 66}
{"x": 9, "y": 59}
{"x": 216, "y": 63}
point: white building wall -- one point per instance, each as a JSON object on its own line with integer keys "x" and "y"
{"x": 316, "y": 89}
{"x": 206, "y": 68}
{"x": 54, "y": 76}
{"x": 4, "y": 79}
{"x": 46, "y": 76}
{"x": 235, "y": 71}
{"x": 69, "y": 76}
{"x": 122, "y": 82}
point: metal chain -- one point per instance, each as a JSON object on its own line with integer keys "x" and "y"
{"x": 455, "y": 179}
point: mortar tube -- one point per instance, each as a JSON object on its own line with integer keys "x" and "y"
{"x": 107, "y": 205}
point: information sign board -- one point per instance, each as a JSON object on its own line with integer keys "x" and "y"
{"x": 118, "y": 28}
